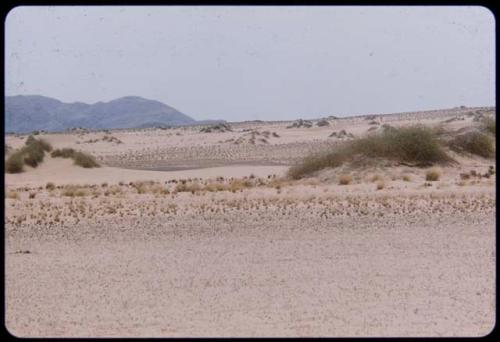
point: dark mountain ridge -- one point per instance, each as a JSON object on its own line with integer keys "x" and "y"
{"x": 26, "y": 113}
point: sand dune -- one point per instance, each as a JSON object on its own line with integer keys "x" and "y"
{"x": 258, "y": 255}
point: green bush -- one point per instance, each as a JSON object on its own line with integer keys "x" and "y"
{"x": 15, "y": 162}
{"x": 417, "y": 145}
{"x": 475, "y": 143}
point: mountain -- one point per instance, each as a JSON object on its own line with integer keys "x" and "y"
{"x": 26, "y": 113}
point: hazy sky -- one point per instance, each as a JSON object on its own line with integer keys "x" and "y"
{"x": 245, "y": 63}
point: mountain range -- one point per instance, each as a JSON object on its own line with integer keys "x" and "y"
{"x": 27, "y": 113}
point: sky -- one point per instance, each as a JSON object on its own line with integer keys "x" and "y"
{"x": 256, "y": 63}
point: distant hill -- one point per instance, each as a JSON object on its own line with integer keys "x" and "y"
{"x": 26, "y": 113}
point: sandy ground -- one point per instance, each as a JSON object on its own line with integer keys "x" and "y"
{"x": 132, "y": 258}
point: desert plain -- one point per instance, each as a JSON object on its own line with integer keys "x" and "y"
{"x": 199, "y": 231}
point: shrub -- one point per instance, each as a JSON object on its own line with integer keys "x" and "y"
{"x": 475, "y": 143}
{"x": 63, "y": 153}
{"x": 14, "y": 164}
{"x": 50, "y": 186}
{"x": 415, "y": 144}
{"x": 433, "y": 174}
{"x": 79, "y": 158}
{"x": 46, "y": 146}
{"x": 85, "y": 160}
{"x": 32, "y": 154}
{"x": 406, "y": 178}
{"x": 323, "y": 123}
{"x": 345, "y": 179}
{"x": 489, "y": 125}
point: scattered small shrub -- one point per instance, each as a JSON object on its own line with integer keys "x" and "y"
{"x": 323, "y": 123}
{"x": 345, "y": 179}
{"x": 406, "y": 178}
{"x": 433, "y": 174}
{"x": 50, "y": 186}
{"x": 464, "y": 176}
{"x": 12, "y": 194}
{"x": 32, "y": 195}
{"x": 380, "y": 185}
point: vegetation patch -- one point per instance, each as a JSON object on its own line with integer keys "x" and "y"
{"x": 489, "y": 125}
{"x": 416, "y": 145}
{"x": 32, "y": 154}
{"x": 80, "y": 158}
{"x": 433, "y": 174}
{"x": 474, "y": 143}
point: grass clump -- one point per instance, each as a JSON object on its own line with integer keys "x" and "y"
{"x": 380, "y": 185}
{"x": 12, "y": 194}
{"x": 345, "y": 179}
{"x": 433, "y": 174}
{"x": 73, "y": 191}
{"x": 417, "y": 145}
{"x": 79, "y": 158}
{"x": 32, "y": 154}
{"x": 475, "y": 143}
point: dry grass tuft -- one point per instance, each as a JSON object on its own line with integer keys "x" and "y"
{"x": 380, "y": 185}
{"x": 50, "y": 186}
{"x": 12, "y": 194}
{"x": 345, "y": 179}
{"x": 433, "y": 174}
{"x": 74, "y": 191}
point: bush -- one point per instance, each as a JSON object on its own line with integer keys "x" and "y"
{"x": 85, "y": 160}
{"x": 323, "y": 123}
{"x": 489, "y": 124}
{"x": 415, "y": 144}
{"x": 475, "y": 143}
{"x": 33, "y": 154}
{"x": 50, "y": 186}
{"x": 79, "y": 158}
{"x": 433, "y": 174}
{"x": 14, "y": 164}
{"x": 63, "y": 153}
